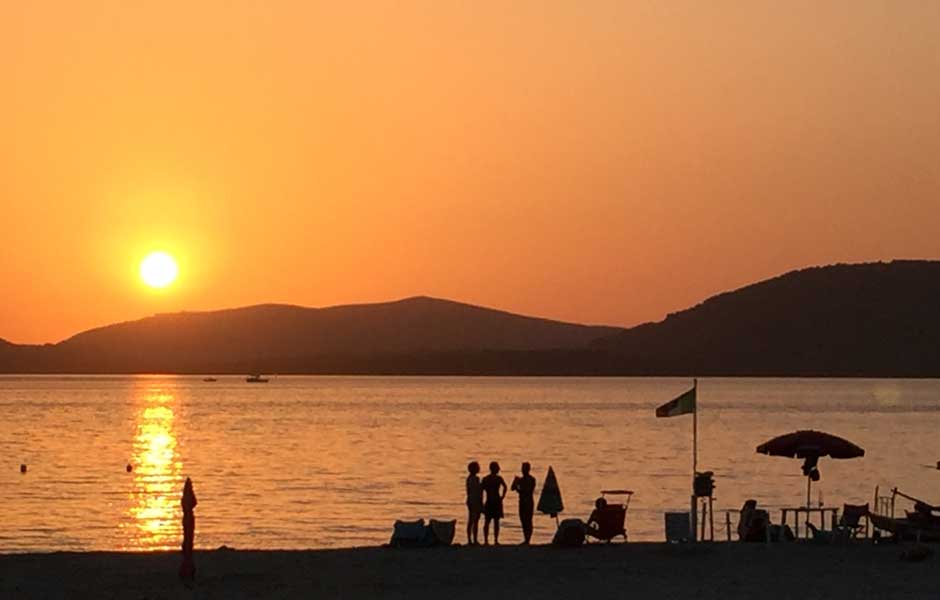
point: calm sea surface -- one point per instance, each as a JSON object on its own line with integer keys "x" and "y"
{"x": 306, "y": 462}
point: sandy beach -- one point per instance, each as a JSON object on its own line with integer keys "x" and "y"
{"x": 637, "y": 570}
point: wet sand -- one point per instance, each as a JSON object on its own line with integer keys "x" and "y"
{"x": 636, "y": 570}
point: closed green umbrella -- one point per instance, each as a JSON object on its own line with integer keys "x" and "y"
{"x": 550, "y": 499}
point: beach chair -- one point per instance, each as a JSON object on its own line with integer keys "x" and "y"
{"x": 851, "y": 519}
{"x": 608, "y": 520}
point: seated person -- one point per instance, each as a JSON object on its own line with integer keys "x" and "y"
{"x": 594, "y": 521}
{"x": 606, "y": 520}
{"x": 752, "y": 523}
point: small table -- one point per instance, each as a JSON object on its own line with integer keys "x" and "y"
{"x": 808, "y": 511}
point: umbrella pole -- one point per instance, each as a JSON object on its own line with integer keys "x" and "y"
{"x": 693, "y": 514}
{"x": 809, "y": 483}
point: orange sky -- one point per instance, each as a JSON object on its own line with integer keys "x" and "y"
{"x": 604, "y": 161}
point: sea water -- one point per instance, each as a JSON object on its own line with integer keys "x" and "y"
{"x": 318, "y": 462}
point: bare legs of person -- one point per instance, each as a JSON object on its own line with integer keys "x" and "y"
{"x": 527, "y": 528}
{"x": 473, "y": 528}
{"x": 486, "y": 531}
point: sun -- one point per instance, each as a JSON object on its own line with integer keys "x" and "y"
{"x": 158, "y": 270}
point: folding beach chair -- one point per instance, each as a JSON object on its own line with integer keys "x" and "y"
{"x": 608, "y": 520}
{"x": 851, "y": 519}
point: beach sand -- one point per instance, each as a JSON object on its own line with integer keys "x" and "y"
{"x": 635, "y": 570}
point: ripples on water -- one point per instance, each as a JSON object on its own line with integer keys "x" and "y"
{"x": 329, "y": 461}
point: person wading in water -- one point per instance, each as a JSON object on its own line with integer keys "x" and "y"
{"x": 525, "y": 487}
{"x": 495, "y": 489}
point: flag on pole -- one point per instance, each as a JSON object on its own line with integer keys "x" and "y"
{"x": 683, "y": 405}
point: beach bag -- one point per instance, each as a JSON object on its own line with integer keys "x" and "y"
{"x": 783, "y": 533}
{"x": 570, "y": 534}
{"x": 408, "y": 534}
{"x": 441, "y": 533}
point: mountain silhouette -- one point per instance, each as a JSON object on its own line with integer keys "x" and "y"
{"x": 284, "y": 338}
{"x": 874, "y": 319}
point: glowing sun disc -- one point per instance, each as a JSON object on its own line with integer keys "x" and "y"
{"x": 158, "y": 269}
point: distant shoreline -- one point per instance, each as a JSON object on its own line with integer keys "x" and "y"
{"x": 273, "y": 376}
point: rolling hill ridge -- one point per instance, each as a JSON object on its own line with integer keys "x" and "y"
{"x": 873, "y": 320}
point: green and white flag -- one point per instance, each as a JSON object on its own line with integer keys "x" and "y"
{"x": 683, "y": 405}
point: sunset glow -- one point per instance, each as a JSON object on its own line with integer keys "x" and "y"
{"x": 154, "y": 511}
{"x": 605, "y": 162}
{"x": 288, "y": 283}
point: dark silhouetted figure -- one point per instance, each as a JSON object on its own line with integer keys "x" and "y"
{"x": 495, "y": 489}
{"x": 594, "y": 521}
{"x": 474, "y": 502}
{"x": 188, "y": 502}
{"x": 525, "y": 487}
{"x": 23, "y": 468}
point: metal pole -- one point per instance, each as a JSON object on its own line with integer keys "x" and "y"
{"x": 693, "y": 515}
{"x": 702, "y": 525}
{"x": 695, "y": 431}
{"x": 711, "y": 518}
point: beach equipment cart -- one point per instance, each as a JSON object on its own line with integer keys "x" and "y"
{"x": 608, "y": 520}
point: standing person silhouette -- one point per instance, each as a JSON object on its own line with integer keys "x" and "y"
{"x": 495, "y": 489}
{"x": 188, "y": 503}
{"x": 474, "y": 502}
{"x": 525, "y": 487}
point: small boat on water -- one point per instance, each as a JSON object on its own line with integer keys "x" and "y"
{"x": 256, "y": 378}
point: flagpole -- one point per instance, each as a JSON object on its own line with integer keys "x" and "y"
{"x": 695, "y": 432}
{"x": 694, "y": 515}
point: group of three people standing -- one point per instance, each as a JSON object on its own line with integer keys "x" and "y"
{"x": 492, "y": 507}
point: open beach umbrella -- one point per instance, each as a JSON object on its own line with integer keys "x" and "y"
{"x": 810, "y": 446}
{"x": 550, "y": 499}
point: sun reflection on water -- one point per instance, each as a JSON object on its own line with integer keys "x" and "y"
{"x": 154, "y": 508}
